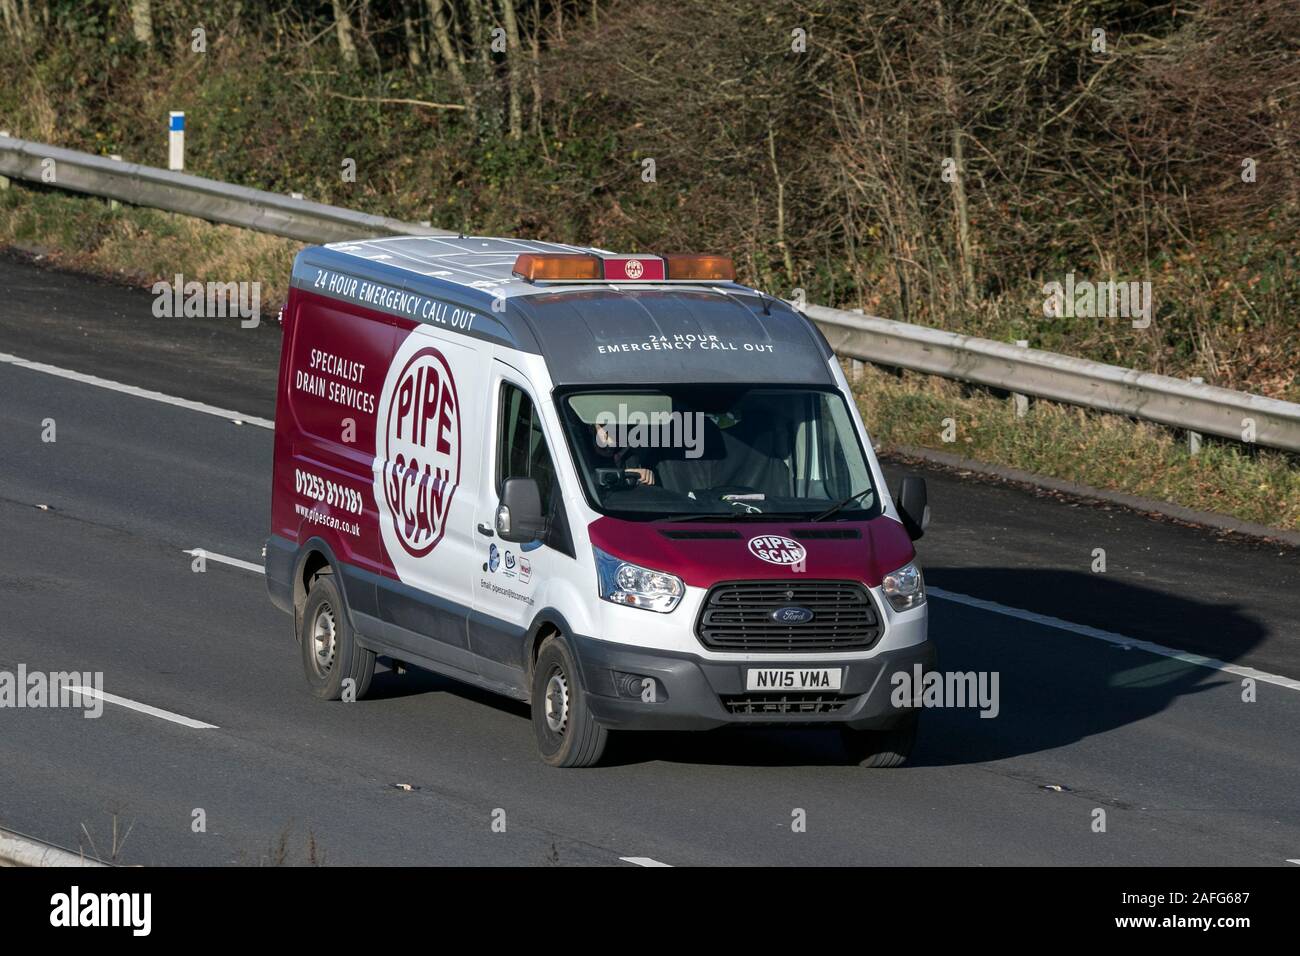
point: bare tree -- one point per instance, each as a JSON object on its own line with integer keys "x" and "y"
{"x": 450, "y": 55}
{"x": 514, "y": 65}
{"x": 343, "y": 31}
{"x": 414, "y": 35}
{"x": 535, "y": 66}
{"x": 17, "y": 19}
{"x": 142, "y": 21}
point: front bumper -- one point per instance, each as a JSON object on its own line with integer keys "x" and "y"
{"x": 690, "y": 689}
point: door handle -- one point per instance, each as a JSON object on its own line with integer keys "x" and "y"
{"x": 484, "y": 529}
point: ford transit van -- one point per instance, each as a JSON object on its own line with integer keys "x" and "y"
{"x": 622, "y": 488}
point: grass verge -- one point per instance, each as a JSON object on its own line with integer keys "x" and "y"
{"x": 141, "y": 246}
{"x": 1103, "y": 451}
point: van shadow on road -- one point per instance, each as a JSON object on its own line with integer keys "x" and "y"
{"x": 1054, "y": 688}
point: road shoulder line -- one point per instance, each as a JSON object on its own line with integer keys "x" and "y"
{"x": 95, "y": 380}
{"x": 1119, "y": 640}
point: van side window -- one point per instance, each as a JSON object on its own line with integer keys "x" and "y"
{"x": 521, "y": 446}
{"x": 522, "y": 453}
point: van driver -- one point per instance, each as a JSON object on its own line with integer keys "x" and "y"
{"x": 623, "y": 458}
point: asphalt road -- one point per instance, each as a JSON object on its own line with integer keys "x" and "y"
{"x": 1185, "y": 771}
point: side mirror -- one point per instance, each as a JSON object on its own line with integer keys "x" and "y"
{"x": 913, "y": 505}
{"x": 519, "y": 515}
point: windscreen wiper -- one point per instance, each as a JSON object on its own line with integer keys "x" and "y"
{"x": 833, "y": 509}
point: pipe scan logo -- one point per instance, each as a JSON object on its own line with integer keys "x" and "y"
{"x": 419, "y": 448}
{"x": 777, "y": 549}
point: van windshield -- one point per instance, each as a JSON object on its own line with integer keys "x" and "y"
{"x": 725, "y": 452}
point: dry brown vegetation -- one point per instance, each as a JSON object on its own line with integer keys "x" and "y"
{"x": 808, "y": 139}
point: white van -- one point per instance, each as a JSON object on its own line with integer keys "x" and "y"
{"x": 625, "y": 489}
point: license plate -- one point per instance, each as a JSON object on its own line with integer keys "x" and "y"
{"x": 793, "y": 678}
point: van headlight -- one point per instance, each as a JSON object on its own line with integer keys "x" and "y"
{"x": 905, "y": 588}
{"x": 634, "y": 586}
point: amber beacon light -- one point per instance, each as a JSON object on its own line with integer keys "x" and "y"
{"x": 700, "y": 268}
{"x": 559, "y": 265}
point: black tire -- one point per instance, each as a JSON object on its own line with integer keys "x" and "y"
{"x": 325, "y": 616}
{"x": 558, "y": 698}
{"x": 878, "y": 749}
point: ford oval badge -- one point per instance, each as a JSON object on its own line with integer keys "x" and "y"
{"x": 792, "y": 615}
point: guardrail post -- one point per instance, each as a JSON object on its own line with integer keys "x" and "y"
{"x": 1021, "y": 402}
{"x": 176, "y": 140}
{"x": 855, "y": 365}
{"x": 113, "y": 203}
{"x": 1194, "y": 438}
{"x": 4, "y": 180}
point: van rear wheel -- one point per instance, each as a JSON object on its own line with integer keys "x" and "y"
{"x": 331, "y": 657}
{"x": 567, "y": 733}
{"x": 878, "y": 749}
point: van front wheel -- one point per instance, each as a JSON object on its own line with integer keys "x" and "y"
{"x": 567, "y": 733}
{"x": 881, "y": 748}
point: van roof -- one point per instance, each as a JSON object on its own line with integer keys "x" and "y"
{"x": 475, "y": 262}
{"x": 588, "y": 332}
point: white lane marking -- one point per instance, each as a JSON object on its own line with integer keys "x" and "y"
{"x": 1297, "y": 862}
{"x": 643, "y": 861}
{"x": 226, "y": 559}
{"x": 1118, "y": 640}
{"x": 141, "y": 708}
{"x": 98, "y": 382}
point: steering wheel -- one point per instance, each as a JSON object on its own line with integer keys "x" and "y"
{"x": 616, "y": 479}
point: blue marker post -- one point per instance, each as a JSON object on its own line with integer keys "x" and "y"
{"x": 176, "y": 140}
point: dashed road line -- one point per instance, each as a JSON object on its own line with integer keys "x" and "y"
{"x": 643, "y": 861}
{"x": 225, "y": 559}
{"x": 141, "y": 708}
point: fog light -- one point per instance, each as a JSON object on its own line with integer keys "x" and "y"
{"x": 638, "y": 686}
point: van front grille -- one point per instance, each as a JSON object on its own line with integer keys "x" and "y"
{"x": 738, "y": 616}
{"x": 784, "y": 703}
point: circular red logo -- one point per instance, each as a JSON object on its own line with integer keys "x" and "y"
{"x": 420, "y": 450}
{"x": 633, "y": 269}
